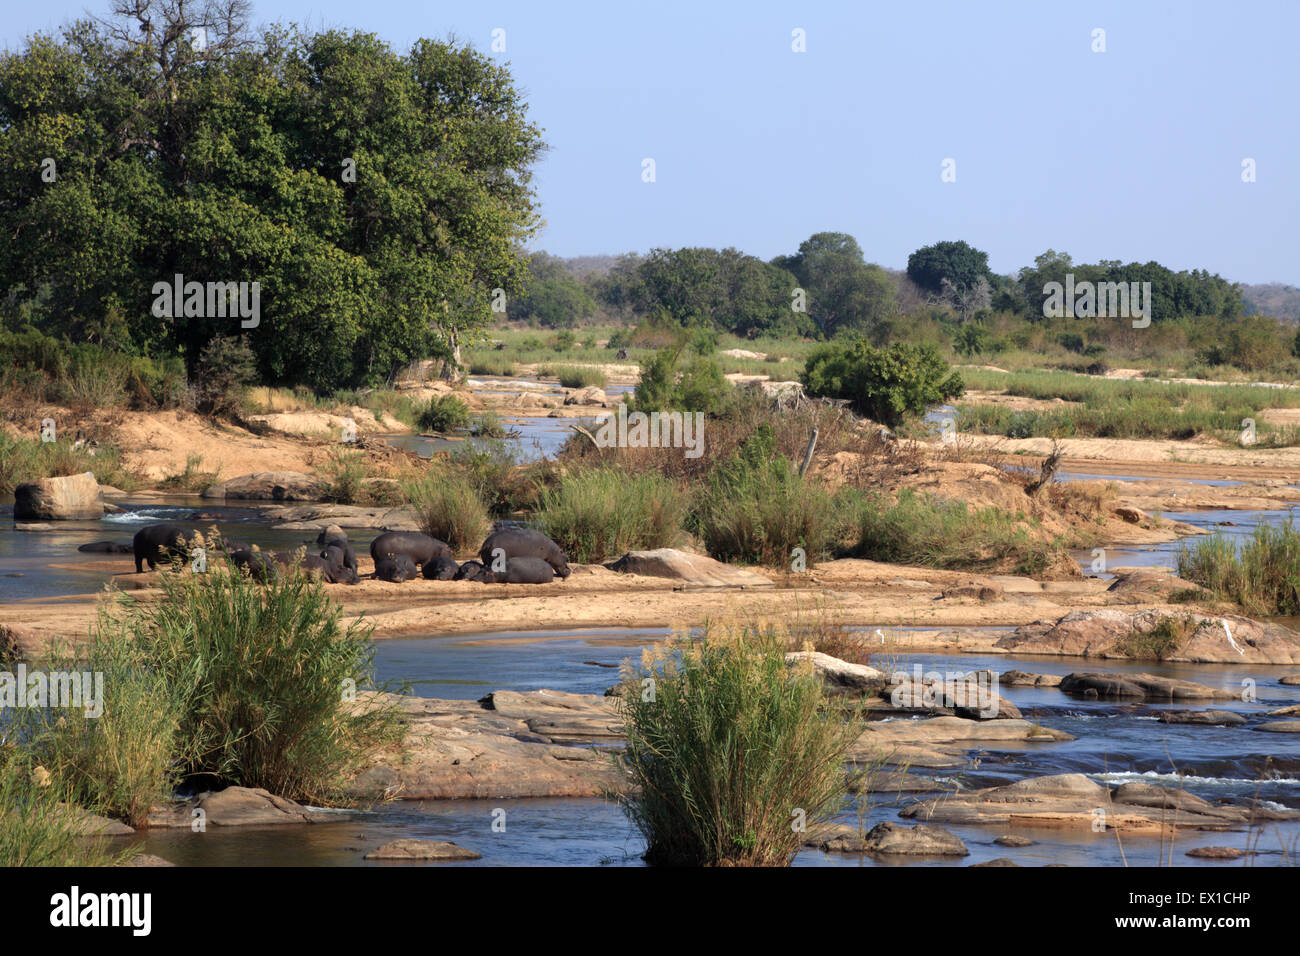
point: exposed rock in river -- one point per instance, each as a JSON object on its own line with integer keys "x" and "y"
{"x": 1150, "y": 634}
{"x": 693, "y": 569}
{"x": 269, "y": 486}
{"x": 422, "y": 850}
{"x": 1140, "y": 686}
{"x": 238, "y": 806}
{"x": 67, "y": 498}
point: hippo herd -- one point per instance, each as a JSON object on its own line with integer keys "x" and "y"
{"x": 508, "y": 556}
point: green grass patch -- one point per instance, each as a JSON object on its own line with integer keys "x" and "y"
{"x": 600, "y": 513}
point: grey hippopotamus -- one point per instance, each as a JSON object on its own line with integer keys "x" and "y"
{"x": 160, "y": 544}
{"x": 318, "y": 564}
{"x": 525, "y": 571}
{"x": 440, "y": 569}
{"x": 420, "y": 548}
{"x": 106, "y": 547}
{"x": 337, "y": 540}
{"x": 523, "y": 543}
{"x": 260, "y": 565}
{"x": 395, "y": 568}
{"x": 474, "y": 571}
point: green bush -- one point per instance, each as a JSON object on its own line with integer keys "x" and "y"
{"x": 1263, "y": 576}
{"x": 448, "y": 505}
{"x": 27, "y": 459}
{"x": 600, "y": 513}
{"x": 726, "y": 746}
{"x": 668, "y": 384}
{"x": 444, "y": 413}
{"x": 36, "y": 826}
{"x": 940, "y": 533}
{"x": 886, "y": 385}
{"x": 225, "y": 368}
{"x": 580, "y": 376}
{"x": 756, "y": 508}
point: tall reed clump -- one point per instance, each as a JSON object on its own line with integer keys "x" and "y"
{"x": 598, "y": 513}
{"x": 443, "y": 413}
{"x": 939, "y": 533}
{"x": 448, "y": 505}
{"x": 727, "y": 747}
{"x": 756, "y": 507}
{"x": 262, "y": 674}
{"x": 1264, "y": 577}
{"x": 119, "y": 753}
{"x": 37, "y": 827}
{"x": 580, "y": 376}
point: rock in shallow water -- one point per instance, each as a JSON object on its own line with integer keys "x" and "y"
{"x": 422, "y": 850}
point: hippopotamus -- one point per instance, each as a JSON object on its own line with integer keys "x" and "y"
{"x": 524, "y": 543}
{"x": 222, "y": 543}
{"x": 106, "y": 547}
{"x": 440, "y": 569}
{"x": 337, "y": 540}
{"x": 395, "y": 568}
{"x": 420, "y": 548}
{"x": 260, "y": 565}
{"x": 474, "y": 571}
{"x": 525, "y": 571}
{"x": 318, "y": 564}
{"x": 160, "y": 544}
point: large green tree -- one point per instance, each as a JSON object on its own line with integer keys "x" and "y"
{"x": 377, "y": 198}
{"x": 958, "y": 262}
{"x": 845, "y": 293}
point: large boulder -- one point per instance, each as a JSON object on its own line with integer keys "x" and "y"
{"x": 1212, "y": 718}
{"x": 1140, "y": 686}
{"x": 270, "y": 486}
{"x": 696, "y": 570}
{"x": 891, "y": 838}
{"x": 68, "y": 498}
{"x": 839, "y": 677}
{"x": 591, "y": 395}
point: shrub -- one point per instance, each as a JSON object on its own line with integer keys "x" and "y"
{"x": 493, "y": 365}
{"x": 756, "y": 507}
{"x": 940, "y": 533}
{"x": 580, "y": 376}
{"x": 697, "y": 386}
{"x": 727, "y": 747}
{"x": 27, "y": 459}
{"x": 191, "y": 478}
{"x": 448, "y": 506}
{"x": 226, "y": 367}
{"x": 36, "y": 827}
{"x": 886, "y": 385}
{"x": 444, "y": 413}
{"x": 345, "y": 470}
{"x": 1263, "y": 577}
{"x": 261, "y": 673}
{"x": 600, "y": 513}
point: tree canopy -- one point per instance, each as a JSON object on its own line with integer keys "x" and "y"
{"x": 378, "y": 198}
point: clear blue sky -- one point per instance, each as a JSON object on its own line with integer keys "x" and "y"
{"x": 1131, "y": 154}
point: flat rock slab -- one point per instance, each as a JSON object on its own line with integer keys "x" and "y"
{"x": 557, "y": 714}
{"x": 318, "y": 517}
{"x": 1074, "y": 801}
{"x": 1291, "y": 680}
{"x": 942, "y": 741}
{"x": 891, "y": 839}
{"x": 1024, "y": 679}
{"x": 1219, "y": 718}
{"x": 1115, "y": 632}
{"x": 1011, "y": 839}
{"x": 460, "y": 749}
{"x": 695, "y": 570}
{"x": 1216, "y": 853}
{"x": 92, "y": 824}
{"x": 973, "y": 698}
{"x": 422, "y": 850}
{"x": 149, "y": 859}
{"x": 1280, "y": 727}
{"x": 1140, "y": 687}
{"x": 239, "y": 807}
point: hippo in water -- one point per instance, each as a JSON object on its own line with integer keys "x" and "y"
{"x": 525, "y": 571}
{"x": 395, "y": 568}
{"x": 260, "y": 565}
{"x": 160, "y": 544}
{"x": 420, "y": 548}
{"x": 440, "y": 569}
{"x": 106, "y": 547}
{"x": 523, "y": 543}
{"x": 474, "y": 571}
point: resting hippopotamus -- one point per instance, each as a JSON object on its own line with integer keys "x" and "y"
{"x": 260, "y": 565}
{"x": 160, "y": 544}
{"x": 440, "y": 569}
{"x": 106, "y": 547}
{"x": 523, "y": 543}
{"x": 345, "y": 555}
{"x": 474, "y": 571}
{"x": 222, "y": 543}
{"x": 318, "y": 564}
{"x": 420, "y": 548}
{"x": 395, "y": 568}
{"x": 525, "y": 571}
